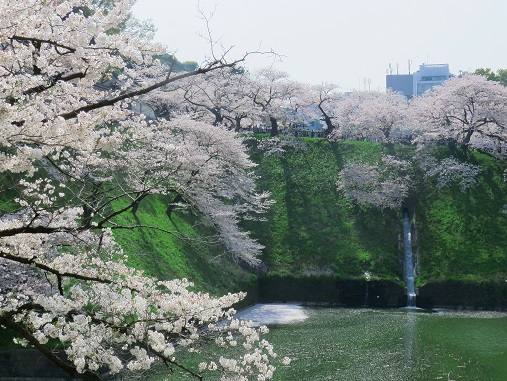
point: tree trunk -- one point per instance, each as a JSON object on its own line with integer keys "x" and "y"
{"x": 389, "y": 148}
{"x": 327, "y": 120}
{"x": 218, "y": 117}
{"x": 171, "y": 206}
{"x": 90, "y": 204}
{"x": 274, "y": 126}
{"x": 237, "y": 119}
{"x": 135, "y": 204}
{"x": 329, "y": 125}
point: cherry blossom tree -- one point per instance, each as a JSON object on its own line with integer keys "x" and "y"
{"x": 270, "y": 91}
{"x": 324, "y": 99}
{"x": 221, "y": 95}
{"x": 466, "y": 111}
{"x": 382, "y": 185}
{"x": 372, "y": 116}
{"x": 77, "y": 158}
{"x": 300, "y": 109}
{"x": 470, "y": 112}
{"x": 376, "y": 117}
{"x": 290, "y": 106}
{"x": 447, "y": 171}
{"x": 206, "y": 167}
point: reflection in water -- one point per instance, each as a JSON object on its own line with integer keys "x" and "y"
{"x": 269, "y": 314}
{"x": 410, "y": 328}
{"x": 341, "y": 344}
{"x": 409, "y": 262}
{"x": 366, "y": 295}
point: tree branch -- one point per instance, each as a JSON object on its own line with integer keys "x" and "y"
{"x": 41, "y": 41}
{"x": 33, "y": 262}
{"x": 52, "y": 82}
{"x": 109, "y": 102}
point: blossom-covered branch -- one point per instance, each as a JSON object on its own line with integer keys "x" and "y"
{"x": 78, "y": 159}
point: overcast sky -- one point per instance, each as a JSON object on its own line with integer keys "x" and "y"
{"x": 350, "y": 43}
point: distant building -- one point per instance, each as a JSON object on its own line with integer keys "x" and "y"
{"x": 424, "y": 79}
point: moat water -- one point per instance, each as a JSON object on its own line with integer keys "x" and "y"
{"x": 383, "y": 344}
{"x": 366, "y": 344}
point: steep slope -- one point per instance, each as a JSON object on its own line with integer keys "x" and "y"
{"x": 190, "y": 250}
{"x": 314, "y": 230}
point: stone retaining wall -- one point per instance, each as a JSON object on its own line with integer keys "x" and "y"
{"x": 380, "y": 293}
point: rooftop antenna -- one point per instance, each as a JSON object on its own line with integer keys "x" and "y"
{"x": 369, "y": 84}
{"x": 397, "y": 70}
{"x": 409, "y": 62}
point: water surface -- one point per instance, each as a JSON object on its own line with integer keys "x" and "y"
{"x": 365, "y": 344}
{"x": 379, "y": 345}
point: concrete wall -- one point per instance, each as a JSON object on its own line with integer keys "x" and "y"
{"x": 379, "y": 293}
{"x": 403, "y": 83}
{"x": 449, "y": 294}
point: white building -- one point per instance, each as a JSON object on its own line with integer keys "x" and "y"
{"x": 424, "y": 79}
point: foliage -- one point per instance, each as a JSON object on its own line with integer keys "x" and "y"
{"x": 499, "y": 76}
{"x": 171, "y": 61}
{"x": 464, "y": 230}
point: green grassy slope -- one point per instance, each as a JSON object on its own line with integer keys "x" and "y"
{"x": 312, "y": 229}
{"x": 190, "y": 251}
{"x": 463, "y": 234}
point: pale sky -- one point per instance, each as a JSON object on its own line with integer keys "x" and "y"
{"x": 350, "y": 43}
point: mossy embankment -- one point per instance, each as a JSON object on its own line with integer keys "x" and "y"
{"x": 182, "y": 246}
{"x": 313, "y": 230}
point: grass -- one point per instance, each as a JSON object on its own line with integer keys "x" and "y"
{"x": 190, "y": 250}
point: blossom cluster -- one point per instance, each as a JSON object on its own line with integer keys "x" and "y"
{"x": 449, "y": 171}
{"x": 112, "y": 315}
{"x": 384, "y": 185}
